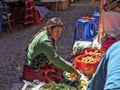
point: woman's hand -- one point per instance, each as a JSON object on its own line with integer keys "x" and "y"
{"x": 77, "y": 73}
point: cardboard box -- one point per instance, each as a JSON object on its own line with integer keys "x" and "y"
{"x": 62, "y": 5}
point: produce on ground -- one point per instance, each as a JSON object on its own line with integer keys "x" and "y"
{"x": 71, "y": 76}
{"x": 63, "y": 86}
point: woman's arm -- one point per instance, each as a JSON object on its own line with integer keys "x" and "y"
{"x": 54, "y": 58}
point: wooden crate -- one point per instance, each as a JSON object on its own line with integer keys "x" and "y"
{"x": 62, "y": 5}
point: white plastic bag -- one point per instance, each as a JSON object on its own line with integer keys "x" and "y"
{"x": 79, "y": 46}
{"x": 35, "y": 85}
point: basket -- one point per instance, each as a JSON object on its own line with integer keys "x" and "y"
{"x": 87, "y": 67}
{"x": 68, "y": 80}
{"x": 94, "y": 51}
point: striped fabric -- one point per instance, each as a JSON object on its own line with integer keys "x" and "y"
{"x": 29, "y": 5}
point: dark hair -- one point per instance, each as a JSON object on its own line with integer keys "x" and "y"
{"x": 54, "y": 22}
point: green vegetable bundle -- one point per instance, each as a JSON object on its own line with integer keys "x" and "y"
{"x": 55, "y": 86}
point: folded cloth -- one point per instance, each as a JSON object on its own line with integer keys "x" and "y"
{"x": 42, "y": 11}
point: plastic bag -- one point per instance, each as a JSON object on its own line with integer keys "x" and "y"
{"x": 79, "y": 46}
{"x": 35, "y": 85}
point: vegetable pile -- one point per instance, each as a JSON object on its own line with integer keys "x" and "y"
{"x": 55, "y": 86}
{"x": 63, "y": 86}
{"x": 71, "y": 76}
{"x": 89, "y": 59}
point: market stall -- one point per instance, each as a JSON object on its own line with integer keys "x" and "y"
{"x": 86, "y": 55}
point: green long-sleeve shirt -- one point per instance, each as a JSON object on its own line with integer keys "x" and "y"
{"x": 41, "y": 44}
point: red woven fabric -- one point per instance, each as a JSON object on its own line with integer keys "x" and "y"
{"x": 106, "y": 44}
{"x": 29, "y": 6}
{"x": 45, "y": 74}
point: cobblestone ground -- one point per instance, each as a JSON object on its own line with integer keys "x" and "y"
{"x": 12, "y": 45}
